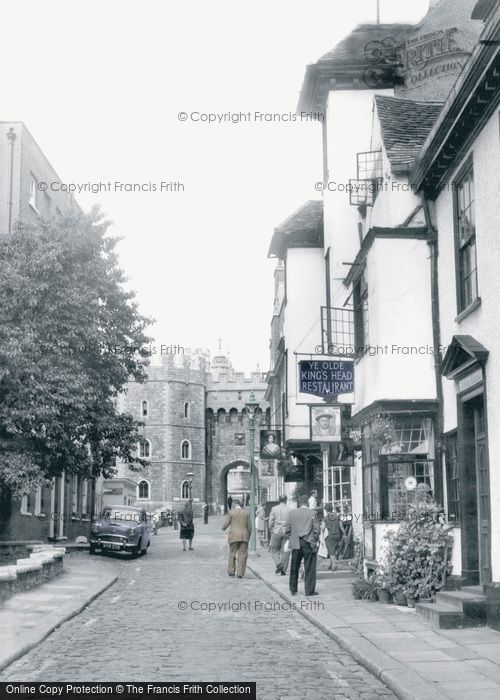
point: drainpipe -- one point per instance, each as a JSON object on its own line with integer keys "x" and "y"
{"x": 432, "y": 242}
{"x": 11, "y": 136}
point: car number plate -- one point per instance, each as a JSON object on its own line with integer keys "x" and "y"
{"x": 112, "y": 546}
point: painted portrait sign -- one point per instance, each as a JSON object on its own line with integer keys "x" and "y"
{"x": 326, "y": 423}
{"x": 270, "y": 444}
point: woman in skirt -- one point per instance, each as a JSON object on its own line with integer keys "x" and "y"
{"x": 187, "y": 525}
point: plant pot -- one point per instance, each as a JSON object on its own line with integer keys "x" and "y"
{"x": 399, "y": 598}
{"x": 373, "y": 598}
{"x": 384, "y": 596}
{"x": 410, "y": 601}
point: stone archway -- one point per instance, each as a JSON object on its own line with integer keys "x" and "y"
{"x": 222, "y": 479}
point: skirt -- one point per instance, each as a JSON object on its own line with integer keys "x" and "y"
{"x": 186, "y": 532}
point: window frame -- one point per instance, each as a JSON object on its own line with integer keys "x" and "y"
{"x": 143, "y": 498}
{"x": 185, "y": 485}
{"x": 144, "y": 441}
{"x": 34, "y": 192}
{"x": 187, "y": 410}
{"x": 144, "y": 405}
{"x": 465, "y": 173}
{"x": 189, "y": 451}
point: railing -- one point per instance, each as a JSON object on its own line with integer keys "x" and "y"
{"x": 337, "y": 331}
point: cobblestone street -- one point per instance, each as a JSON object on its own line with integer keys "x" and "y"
{"x": 137, "y": 631}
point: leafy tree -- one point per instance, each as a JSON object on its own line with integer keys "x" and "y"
{"x": 71, "y": 336}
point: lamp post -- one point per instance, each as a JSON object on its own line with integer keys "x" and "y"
{"x": 251, "y": 405}
{"x": 190, "y": 481}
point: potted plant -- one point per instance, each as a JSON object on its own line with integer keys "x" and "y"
{"x": 382, "y": 580}
{"x": 418, "y": 555}
{"x": 364, "y": 589}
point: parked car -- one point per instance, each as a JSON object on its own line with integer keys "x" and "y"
{"x": 121, "y": 529}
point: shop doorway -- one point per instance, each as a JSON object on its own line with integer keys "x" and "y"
{"x": 476, "y": 518}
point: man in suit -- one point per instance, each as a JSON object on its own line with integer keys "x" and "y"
{"x": 304, "y": 529}
{"x": 278, "y": 520}
{"x": 240, "y": 527}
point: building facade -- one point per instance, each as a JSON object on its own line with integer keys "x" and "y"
{"x": 29, "y": 185}
{"x": 59, "y": 508}
{"x": 410, "y": 124}
{"x": 194, "y": 432}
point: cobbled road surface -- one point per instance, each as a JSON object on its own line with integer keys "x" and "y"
{"x": 177, "y": 616}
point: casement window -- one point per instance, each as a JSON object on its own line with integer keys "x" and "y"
{"x": 143, "y": 490}
{"x": 361, "y": 319}
{"x": 144, "y": 449}
{"x": 465, "y": 239}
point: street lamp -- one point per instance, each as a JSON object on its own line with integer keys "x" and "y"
{"x": 251, "y": 405}
{"x": 190, "y": 481}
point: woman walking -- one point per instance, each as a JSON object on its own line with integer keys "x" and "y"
{"x": 187, "y": 525}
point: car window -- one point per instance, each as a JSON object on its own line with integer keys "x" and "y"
{"x": 118, "y": 514}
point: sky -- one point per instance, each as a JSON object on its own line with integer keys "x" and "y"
{"x": 101, "y": 85}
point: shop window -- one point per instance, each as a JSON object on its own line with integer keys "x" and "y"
{"x": 387, "y": 492}
{"x": 143, "y": 490}
{"x": 339, "y": 488}
{"x": 465, "y": 239}
{"x": 452, "y": 477}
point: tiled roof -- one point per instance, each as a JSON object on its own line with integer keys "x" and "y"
{"x": 359, "y": 47}
{"x": 405, "y": 125}
{"x": 303, "y": 229}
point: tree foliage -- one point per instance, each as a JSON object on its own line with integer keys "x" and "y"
{"x": 71, "y": 336}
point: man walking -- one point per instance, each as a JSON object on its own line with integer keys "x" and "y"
{"x": 278, "y": 519}
{"x": 240, "y": 527}
{"x": 304, "y": 528}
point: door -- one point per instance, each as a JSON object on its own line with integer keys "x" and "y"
{"x": 475, "y": 492}
{"x": 483, "y": 493}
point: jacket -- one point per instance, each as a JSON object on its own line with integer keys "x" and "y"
{"x": 302, "y": 522}
{"x": 240, "y": 525}
{"x": 278, "y": 518}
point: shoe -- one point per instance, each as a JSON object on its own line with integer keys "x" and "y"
{"x": 308, "y": 595}
{"x": 240, "y": 576}
{"x": 283, "y": 573}
{"x": 230, "y": 574}
{"x": 277, "y": 569}
{"x": 292, "y": 593}
{"x": 191, "y": 548}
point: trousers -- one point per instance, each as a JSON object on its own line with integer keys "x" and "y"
{"x": 277, "y": 546}
{"x": 238, "y": 553}
{"x": 308, "y": 554}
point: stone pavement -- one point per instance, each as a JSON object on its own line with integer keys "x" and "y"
{"x": 415, "y": 660}
{"x": 27, "y": 618}
{"x": 177, "y": 616}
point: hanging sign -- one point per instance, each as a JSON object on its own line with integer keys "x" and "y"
{"x": 326, "y": 377}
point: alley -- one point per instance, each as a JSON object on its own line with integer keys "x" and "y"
{"x": 175, "y": 615}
